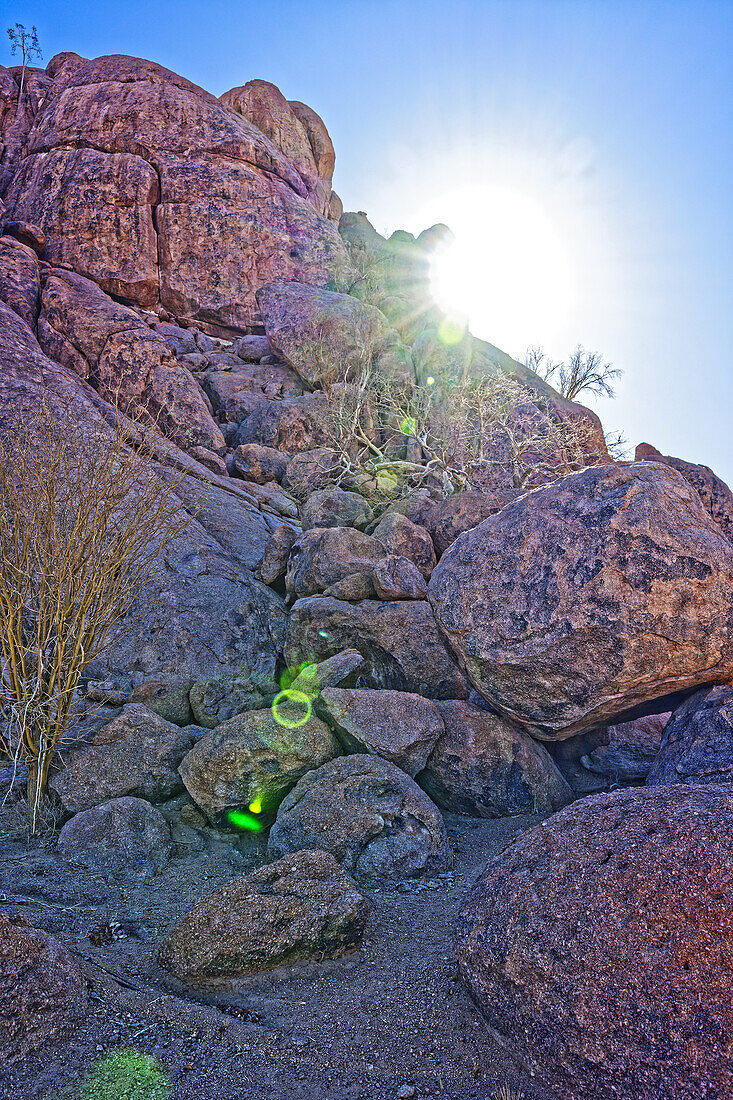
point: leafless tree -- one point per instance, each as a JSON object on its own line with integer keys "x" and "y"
{"x": 27, "y": 43}
{"x": 584, "y": 372}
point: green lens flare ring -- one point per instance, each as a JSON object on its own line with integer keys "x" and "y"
{"x": 291, "y": 696}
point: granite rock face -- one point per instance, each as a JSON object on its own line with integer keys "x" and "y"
{"x": 373, "y": 819}
{"x": 630, "y": 749}
{"x": 123, "y": 838}
{"x": 599, "y": 945}
{"x": 697, "y": 745}
{"x": 250, "y": 762}
{"x": 303, "y": 906}
{"x": 712, "y": 490}
{"x": 136, "y": 754}
{"x": 154, "y": 189}
{"x": 396, "y": 725}
{"x": 586, "y": 598}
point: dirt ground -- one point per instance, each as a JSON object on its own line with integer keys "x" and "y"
{"x": 375, "y": 1025}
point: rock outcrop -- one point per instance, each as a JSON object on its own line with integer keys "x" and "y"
{"x": 598, "y": 944}
{"x": 147, "y": 184}
{"x": 712, "y": 490}
{"x": 603, "y": 591}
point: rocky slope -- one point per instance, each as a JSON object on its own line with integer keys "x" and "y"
{"x": 494, "y": 645}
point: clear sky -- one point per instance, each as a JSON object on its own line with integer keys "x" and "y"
{"x": 582, "y": 151}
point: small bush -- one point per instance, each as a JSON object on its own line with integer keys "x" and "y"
{"x": 126, "y": 1075}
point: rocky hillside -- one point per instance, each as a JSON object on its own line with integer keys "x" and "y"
{"x": 412, "y": 535}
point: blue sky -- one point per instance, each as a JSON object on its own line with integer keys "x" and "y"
{"x": 611, "y": 122}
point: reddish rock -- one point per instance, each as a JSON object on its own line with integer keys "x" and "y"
{"x": 237, "y": 391}
{"x": 19, "y": 279}
{"x": 303, "y": 906}
{"x": 407, "y": 539}
{"x": 599, "y": 946}
{"x": 153, "y": 188}
{"x": 29, "y": 235}
{"x": 275, "y": 559}
{"x": 601, "y": 592}
{"x": 43, "y": 994}
{"x": 484, "y": 767}
{"x": 292, "y": 425}
{"x": 260, "y": 464}
{"x": 397, "y": 578}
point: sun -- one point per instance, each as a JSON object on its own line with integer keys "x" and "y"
{"x": 507, "y": 268}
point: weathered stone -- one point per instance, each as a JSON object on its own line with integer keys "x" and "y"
{"x": 260, "y": 464}
{"x": 697, "y": 744}
{"x": 215, "y": 700}
{"x": 169, "y": 700}
{"x": 599, "y": 593}
{"x": 309, "y": 470}
{"x": 277, "y": 551}
{"x": 236, "y": 392}
{"x": 397, "y": 726}
{"x": 599, "y": 945}
{"x": 484, "y": 767}
{"x": 372, "y": 818}
{"x": 19, "y": 280}
{"x": 251, "y": 761}
{"x": 401, "y": 536}
{"x": 125, "y": 837}
{"x": 397, "y": 578}
{"x": 354, "y": 588}
{"x": 43, "y": 994}
{"x": 324, "y": 555}
{"x": 399, "y": 642}
{"x": 136, "y": 754}
{"x": 292, "y": 425}
{"x": 153, "y": 188}
{"x": 335, "y": 507}
{"x": 301, "y": 907}
{"x": 250, "y": 349}
{"x": 29, "y": 235}
{"x": 713, "y": 491}
{"x": 630, "y": 749}
{"x": 311, "y": 679}
{"x": 449, "y": 518}
{"x": 326, "y": 336}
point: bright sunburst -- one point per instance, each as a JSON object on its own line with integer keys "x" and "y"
{"x": 507, "y": 268}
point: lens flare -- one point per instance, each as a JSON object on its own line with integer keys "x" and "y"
{"x": 241, "y": 820}
{"x": 291, "y": 708}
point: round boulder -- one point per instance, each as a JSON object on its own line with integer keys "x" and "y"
{"x": 373, "y": 819}
{"x": 249, "y": 763}
{"x": 302, "y": 906}
{"x": 124, "y": 837}
{"x": 584, "y": 599}
{"x": 599, "y": 944}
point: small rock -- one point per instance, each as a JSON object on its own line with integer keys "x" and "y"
{"x": 125, "y": 837}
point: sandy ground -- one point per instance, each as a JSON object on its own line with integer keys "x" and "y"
{"x": 375, "y": 1025}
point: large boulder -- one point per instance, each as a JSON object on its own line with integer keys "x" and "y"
{"x": 335, "y": 507}
{"x": 713, "y": 491}
{"x": 599, "y": 945}
{"x": 697, "y": 746}
{"x": 303, "y": 906}
{"x": 43, "y": 994}
{"x": 483, "y": 766}
{"x": 250, "y": 762}
{"x": 19, "y": 279}
{"x": 125, "y": 837}
{"x": 329, "y": 337}
{"x": 406, "y": 539}
{"x": 599, "y": 593}
{"x": 156, "y": 190}
{"x": 136, "y": 754}
{"x": 324, "y": 555}
{"x": 399, "y": 642}
{"x": 398, "y": 578}
{"x": 398, "y": 726}
{"x": 372, "y": 818}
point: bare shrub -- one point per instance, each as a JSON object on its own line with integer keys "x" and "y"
{"x": 84, "y": 517}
